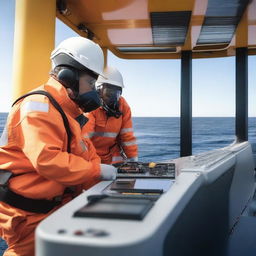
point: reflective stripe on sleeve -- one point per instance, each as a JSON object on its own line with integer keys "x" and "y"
{"x": 103, "y": 134}
{"x": 117, "y": 158}
{"x": 83, "y": 146}
{"x": 129, "y": 143}
{"x": 34, "y": 106}
{"x": 133, "y": 159}
{"x": 124, "y": 130}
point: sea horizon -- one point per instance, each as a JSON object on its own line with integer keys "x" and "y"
{"x": 158, "y": 138}
{"x": 2, "y": 112}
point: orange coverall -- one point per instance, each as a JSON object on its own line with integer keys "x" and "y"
{"x": 110, "y": 134}
{"x": 34, "y": 147}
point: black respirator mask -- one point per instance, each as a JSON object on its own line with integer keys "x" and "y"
{"x": 110, "y": 95}
{"x": 88, "y": 101}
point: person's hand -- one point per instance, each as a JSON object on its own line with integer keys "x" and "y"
{"x": 107, "y": 172}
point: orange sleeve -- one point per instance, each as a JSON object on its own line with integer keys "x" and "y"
{"x": 127, "y": 138}
{"x": 89, "y": 127}
{"x": 43, "y": 136}
{"x": 95, "y": 159}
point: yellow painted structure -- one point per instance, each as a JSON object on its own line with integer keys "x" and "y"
{"x": 118, "y": 25}
{"x": 128, "y": 23}
{"x": 34, "y": 38}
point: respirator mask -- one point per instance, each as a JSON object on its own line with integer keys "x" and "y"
{"x": 88, "y": 101}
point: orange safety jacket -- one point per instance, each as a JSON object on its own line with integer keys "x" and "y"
{"x": 33, "y": 147}
{"x": 111, "y": 135}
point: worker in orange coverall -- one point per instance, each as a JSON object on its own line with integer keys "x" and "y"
{"x": 110, "y": 126}
{"x": 44, "y": 160}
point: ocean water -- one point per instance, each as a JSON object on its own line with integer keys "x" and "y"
{"x": 158, "y": 137}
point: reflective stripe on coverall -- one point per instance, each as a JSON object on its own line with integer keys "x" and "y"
{"x": 34, "y": 147}
{"x": 109, "y": 133}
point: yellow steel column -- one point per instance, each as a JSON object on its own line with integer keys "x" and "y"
{"x": 34, "y": 38}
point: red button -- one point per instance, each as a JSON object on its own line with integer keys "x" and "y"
{"x": 78, "y": 233}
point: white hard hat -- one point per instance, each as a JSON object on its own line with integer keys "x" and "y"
{"x": 81, "y": 50}
{"x": 112, "y": 76}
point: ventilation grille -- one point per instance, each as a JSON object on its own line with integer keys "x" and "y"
{"x": 146, "y": 49}
{"x": 170, "y": 28}
{"x": 221, "y": 20}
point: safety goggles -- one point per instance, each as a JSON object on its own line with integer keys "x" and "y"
{"x": 91, "y": 83}
{"x": 111, "y": 92}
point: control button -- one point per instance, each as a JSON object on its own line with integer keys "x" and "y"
{"x": 62, "y": 231}
{"x": 78, "y": 233}
{"x": 95, "y": 233}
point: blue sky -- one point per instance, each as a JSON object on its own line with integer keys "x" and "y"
{"x": 152, "y": 86}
